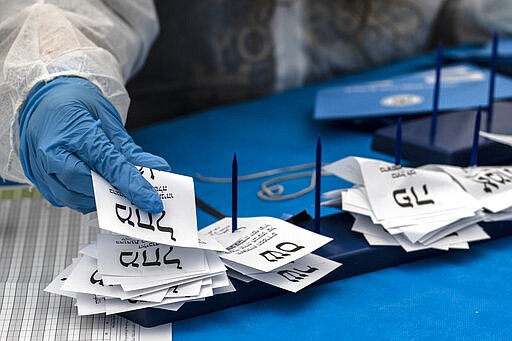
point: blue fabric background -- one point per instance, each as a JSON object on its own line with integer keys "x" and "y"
{"x": 461, "y": 295}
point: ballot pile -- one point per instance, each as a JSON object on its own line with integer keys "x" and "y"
{"x": 142, "y": 260}
{"x": 152, "y": 260}
{"x": 118, "y": 274}
{"x": 433, "y": 206}
{"x": 272, "y": 251}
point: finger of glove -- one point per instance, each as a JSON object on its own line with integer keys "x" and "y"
{"x": 91, "y": 145}
{"x": 57, "y": 193}
{"x": 118, "y": 135}
{"x": 150, "y": 161}
{"x": 72, "y": 172}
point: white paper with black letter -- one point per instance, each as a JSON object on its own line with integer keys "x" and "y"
{"x": 491, "y": 186}
{"x": 298, "y": 274}
{"x": 175, "y": 225}
{"x": 125, "y": 256}
{"x": 264, "y": 243}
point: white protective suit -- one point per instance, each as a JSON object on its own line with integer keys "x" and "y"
{"x": 105, "y": 41}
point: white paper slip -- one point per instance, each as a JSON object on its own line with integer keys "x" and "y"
{"x": 125, "y": 256}
{"x": 185, "y": 290}
{"x": 157, "y": 296}
{"x": 417, "y": 232}
{"x": 374, "y": 234}
{"x": 491, "y": 186}
{"x": 347, "y": 168}
{"x": 500, "y": 138}
{"x": 237, "y": 275}
{"x": 240, "y": 268}
{"x": 90, "y": 304}
{"x": 162, "y": 283}
{"x": 175, "y": 225}
{"x": 221, "y": 280}
{"x": 114, "y": 306}
{"x": 224, "y": 290}
{"x": 215, "y": 267}
{"x": 473, "y": 233}
{"x": 207, "y": 242}
{"x": 85, "y": 279}
{"x": 355, "y": 200}
{"x": 405, "y": 192}
{"x": 375, "y": 240}
{"x": 90, "y": 250}
{"x": 264, "y": 243}
{"x": 502, "y": 215}
{"x": 170, "y": 307}
{"x": 299, "y": 273}
{"x": 124, "y": 295}
{"x": 460, "y": 246}
{"x": 334, "y": 194}
{"x": 452, "y": 228}
{"x": 55, "y": 287}
{"x": 402, "y": 195}
{"x": 469, "y": 234}
{"x": 167, "y": 278}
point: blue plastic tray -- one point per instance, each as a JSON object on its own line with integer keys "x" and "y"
{"x": 348, "y": 247}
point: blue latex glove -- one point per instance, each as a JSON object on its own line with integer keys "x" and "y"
{"x": 67, "y": 128}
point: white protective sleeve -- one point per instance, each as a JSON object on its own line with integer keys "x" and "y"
{"x": 104, "y": 41}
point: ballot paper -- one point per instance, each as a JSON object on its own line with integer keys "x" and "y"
{"x": 125, "y": 256}
{"x": 500, "y": 138}
{"x": 187, "y": 274}
{"x": 377, "y": 236}
{"x": 406, "y": 196}
{"x": 272, "y": 251}
{"x": 416, "y": 208}
{"x": 264, "y": 243}
{"x": 490, "y": 185}
{"x": 176, "y": 225}
{"x": 298, "y": 274}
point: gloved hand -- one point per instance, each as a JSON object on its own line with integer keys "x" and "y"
{"x": 67, "y": 128}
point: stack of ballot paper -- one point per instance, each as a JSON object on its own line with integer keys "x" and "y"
{"x": 491, "y": 186}
{"x": 415, "y": 208}
{"x": 118, "y": 273}
{"x": 152, "y": 260}
{"x": 272, "y": 251}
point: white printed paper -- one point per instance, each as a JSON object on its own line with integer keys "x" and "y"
{"x": 175, "y": 225}
{"x": 124, "y": 256}
{"x": 85, "y": 279}
{"x": 90, "y": 250}
{"x": 395, "y": 191}
{"x": 299, "y": 273}
{"x": 90, "y": 304}
{"x": 264, "y": 243}
{"x": 500, "y": 138}
{"x": 491, "y": 186}
{"x": 55, "y": 287}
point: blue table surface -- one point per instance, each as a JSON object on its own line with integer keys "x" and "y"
{"x": 462, "y": 295}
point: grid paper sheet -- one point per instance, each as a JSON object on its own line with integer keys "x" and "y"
{"x": 37, "y": 241}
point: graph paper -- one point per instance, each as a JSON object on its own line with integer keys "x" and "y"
{"x": 37, "y": 241}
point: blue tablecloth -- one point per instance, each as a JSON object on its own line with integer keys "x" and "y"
{"x": 463, "y": 295}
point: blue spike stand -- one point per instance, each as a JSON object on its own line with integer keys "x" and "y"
{"x": 318, "y": 178}
{"x": 476, "y": 136}
{"x": 492, "y": 81}
{"x": 234, "y": 194}
{"x": 435, "y": 104}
